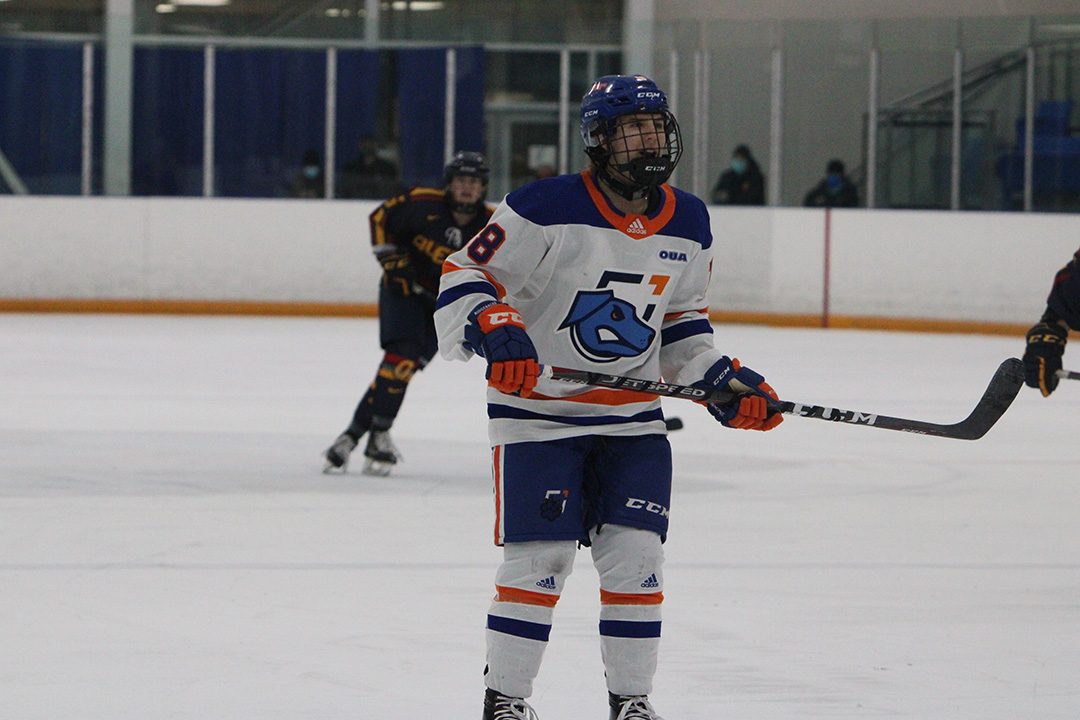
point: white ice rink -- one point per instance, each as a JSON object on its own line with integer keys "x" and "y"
{"x": 170, "y": 549}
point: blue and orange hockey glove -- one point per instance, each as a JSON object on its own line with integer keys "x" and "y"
{"x": 497, "y": 333}
{"x": 749, "y": 409}
{"x": 1042, "y": 358}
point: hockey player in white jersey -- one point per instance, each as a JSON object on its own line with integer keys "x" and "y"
{"x": 606, "y": 270}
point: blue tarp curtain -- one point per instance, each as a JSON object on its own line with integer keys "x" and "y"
{"x": 270, "y": 106}
{"x": 41, "y": 115}
{"x": 422, "y": 102}
{"x": 357, "y": 101}
{"x": 167, "y": 122}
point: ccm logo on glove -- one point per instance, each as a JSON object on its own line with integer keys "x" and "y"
{"x": 497, "y": 333}
{"x": 501, "y": 318}
{"x": 749, "y": 409}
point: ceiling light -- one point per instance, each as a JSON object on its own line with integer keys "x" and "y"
{"x": 417, "y": 5}
{"x": 202, "y": 3}
{"x": 1062, "y": 28}
{"x": 163, "y": 8}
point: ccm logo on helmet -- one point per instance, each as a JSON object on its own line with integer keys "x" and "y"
{"x": 673, "y": 255}
{"x": 648, "y": 94}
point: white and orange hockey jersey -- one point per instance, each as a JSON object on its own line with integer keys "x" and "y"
{"x": 599, "y": 291}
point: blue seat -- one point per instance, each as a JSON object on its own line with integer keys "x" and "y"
{"x": 1056, "y": 154}
{"x": 1051, "y": 120}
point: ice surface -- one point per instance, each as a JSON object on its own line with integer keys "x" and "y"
{"x": 170, "y": 549}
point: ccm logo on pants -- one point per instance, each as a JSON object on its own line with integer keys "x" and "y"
{"x": 648, "y": 505}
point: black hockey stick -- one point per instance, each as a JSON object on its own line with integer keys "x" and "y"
{"x": 999, "y": 394}
{"x": 1068, "y": 375}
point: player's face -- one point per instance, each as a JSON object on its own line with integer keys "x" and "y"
{"x": 638, "y": 135}
{"x": 466, "y": 189}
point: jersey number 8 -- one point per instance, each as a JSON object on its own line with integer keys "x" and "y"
{"x": 486, "y": 242}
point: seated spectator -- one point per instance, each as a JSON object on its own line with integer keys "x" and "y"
{"x": 310, "y": 181}
{"x": 834, "y": 190}
{"x": 742, "y": 182}
{"x": 368, "y": 175}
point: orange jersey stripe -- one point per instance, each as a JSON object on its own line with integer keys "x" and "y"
{"x": 524, "y": 597}
{"x": 449, "y": 267}
{"x": 614, "y": 598}
{"x": 644, "y": 225}
{"x": 672, "y": 316}
{"x": 602, "y": 397}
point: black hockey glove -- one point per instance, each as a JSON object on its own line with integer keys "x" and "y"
{"x": 398, "y": 273}
{"x": 1042, "y": 359}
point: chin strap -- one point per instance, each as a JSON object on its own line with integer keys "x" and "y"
{"x": 623, "y": 189}
{"x": 645, "y": 173}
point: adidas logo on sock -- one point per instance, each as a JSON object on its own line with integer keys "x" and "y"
{"x": 651, "y": 582}
{"x": 547, "y": 583}
{"x": 636, "y": 227}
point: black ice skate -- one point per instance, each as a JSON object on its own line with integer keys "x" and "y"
{"x": 337, "y": 455}
{"x": 380, "y": 454}
{"x": 631, "y": 707}
{"x": 500, "y": 707}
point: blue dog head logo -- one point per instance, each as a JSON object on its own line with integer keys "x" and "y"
{"x": 604, "y": 328}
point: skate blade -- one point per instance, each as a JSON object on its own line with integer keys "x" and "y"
{"x": 330, "y": 468}
{"x": 377, "y": 468}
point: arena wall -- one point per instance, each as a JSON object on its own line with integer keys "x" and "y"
{"x": 986, "y": 272}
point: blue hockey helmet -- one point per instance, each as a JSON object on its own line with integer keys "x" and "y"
{"x": 612, "y": 97}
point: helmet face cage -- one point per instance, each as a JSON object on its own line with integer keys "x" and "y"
{"x": 658, "y": 136}
{"x": 610, "y": 141}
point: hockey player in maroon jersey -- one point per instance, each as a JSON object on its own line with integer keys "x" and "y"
{"x": 606, "y": 270}
{"x": 411, "y": 235}
{"x": 1046, "y": 339}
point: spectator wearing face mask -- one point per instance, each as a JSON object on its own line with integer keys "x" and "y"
{"x": 741, "y": 183}
{"x": 834, "y": 190}
{"x": 310, "y": 181}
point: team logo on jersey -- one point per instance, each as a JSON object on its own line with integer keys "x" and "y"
{"x": 675, "y": 255}
{"x": 604, "y": 328}
{"x": 553, "y": 505}
{"x": 453, "y": 237}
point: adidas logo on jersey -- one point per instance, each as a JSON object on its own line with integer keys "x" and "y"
{"x": 547, "y": 583}
{"x": 636, "y": 228}
{"x": 651, "y": 582}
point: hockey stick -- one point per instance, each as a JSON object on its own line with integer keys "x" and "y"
{"x": 1068, "y": 375}
{"x": 995, "y": 401}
